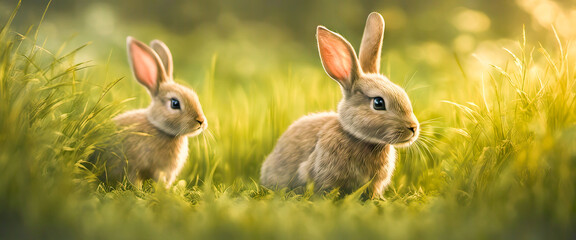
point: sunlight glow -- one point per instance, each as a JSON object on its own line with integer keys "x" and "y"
{"x": 464, "y": 43}
{"x": 473, "y": 21}
{"x": 548, "y": 13}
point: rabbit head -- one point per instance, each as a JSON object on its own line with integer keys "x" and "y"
{"x": 373, "y": 108}
{"x": 175, "y": 109}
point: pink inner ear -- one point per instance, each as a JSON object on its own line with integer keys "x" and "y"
{"x": 144, "y": 66}
{"x": 335, "y": 57}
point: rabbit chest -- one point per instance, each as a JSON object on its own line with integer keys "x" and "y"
{"x": 346, "y": 162}
{"x": 150, "y": 152}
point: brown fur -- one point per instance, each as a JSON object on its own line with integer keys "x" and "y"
{"x": 354, "y": 147}
{"x": 154, "y": 141}
{"x": 150, "y": 153}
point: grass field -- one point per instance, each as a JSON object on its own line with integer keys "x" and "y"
{"x": 496, "y": 160}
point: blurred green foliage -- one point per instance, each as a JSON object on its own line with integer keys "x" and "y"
{"x": 498, "y": 106}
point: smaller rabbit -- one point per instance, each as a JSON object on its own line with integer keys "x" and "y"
{"x": 154, "y": 142}
{"x": 354, "y": 147}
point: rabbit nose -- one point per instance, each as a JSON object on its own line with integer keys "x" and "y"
{"x": 413, "y": 128}
{"x": 200, "y": 120}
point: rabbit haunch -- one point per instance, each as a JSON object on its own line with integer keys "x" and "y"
{"x": 154, "y": 141}
{"x": 355, "y": 146}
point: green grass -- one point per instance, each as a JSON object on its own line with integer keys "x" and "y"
{"x": 496, "y": 159}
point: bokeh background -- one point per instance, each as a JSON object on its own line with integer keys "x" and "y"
{"x": 238, "y": 51}
{"x": 259, "y": 36}
{"x": 491, "y": 81}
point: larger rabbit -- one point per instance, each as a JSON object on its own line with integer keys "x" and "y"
{"x": 355, "y": 146}
{"x": 154, "y": 143}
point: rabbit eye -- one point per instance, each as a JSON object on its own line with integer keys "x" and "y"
{"x": 174, "y": 103}
{"x": 378, "y": 103}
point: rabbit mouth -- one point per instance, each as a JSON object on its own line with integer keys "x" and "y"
{"x": 405, "y": 143}
{"x": 196, "y": 130}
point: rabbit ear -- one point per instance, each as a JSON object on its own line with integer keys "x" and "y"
{"x": 371, "y": 46}
{"x": 338, "y": 57}
{"x": 146, "y": 65}
{"x": 165, "y": 55}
